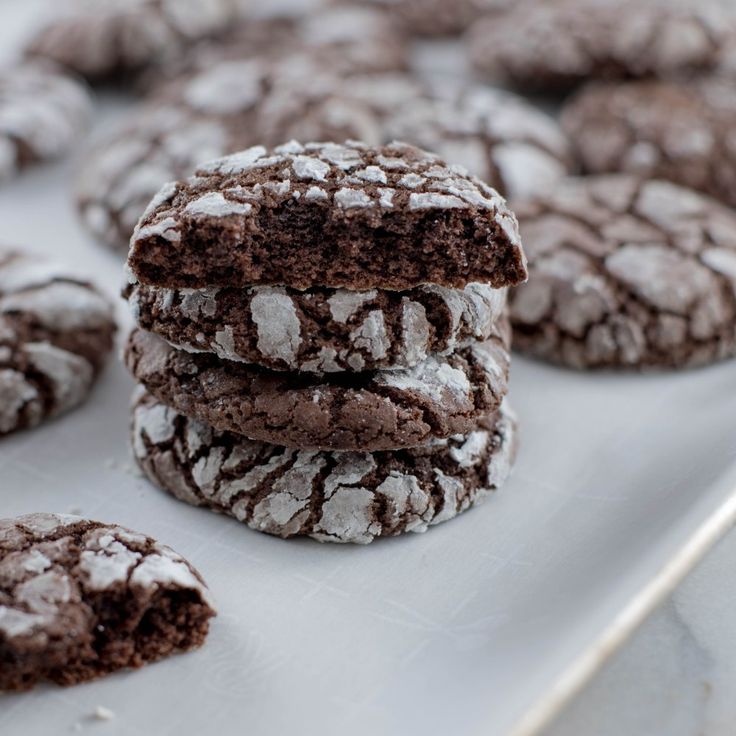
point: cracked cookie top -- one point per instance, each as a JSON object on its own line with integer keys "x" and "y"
{"x": 627, "y": 273}
{"x": 324, "y": 214}
{"x": 348, "y": 497}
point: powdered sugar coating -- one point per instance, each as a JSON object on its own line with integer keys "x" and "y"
{"x": 419, "y": 184}
{"x": 55, "y": 333}
{"x": 627, "y": 273}
{"x": 57, "y": 574}
{"x": 42, "y": 115}
{"x": 103, "y": 41}
{"x": 348, "y": 497}
{"x": 554, "y": 45}
{"x": 438, "y": 397}
{"x": 676, "y": 131}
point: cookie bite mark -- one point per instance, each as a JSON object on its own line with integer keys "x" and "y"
{"x": 442, "y": 226}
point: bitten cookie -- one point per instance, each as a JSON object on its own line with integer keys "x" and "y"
{"x": 496, "y": 135}
{"x": 42, "y": 114}
{"x": 111, "y": 40}
{"x": 347, "y": 216}
{"x": 627, "y": 274}
{"x": 442, "y": 396}
{"x": 56, "y": 332}
{"x": 675, "y": 131}
{"x": 80, "y": 599}
{"x": 319, "y": 330}
{"x": 555, "y": 45}
{"x": 332, "y": 497}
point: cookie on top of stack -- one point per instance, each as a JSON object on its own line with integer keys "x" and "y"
{"x": 322, "y": 343}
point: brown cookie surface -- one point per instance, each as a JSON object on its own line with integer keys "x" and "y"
{"x": 441, "y": 396}
{"x": 552, "y": 46}
{"x": 42, "y": 115}
{"x": 627, "y": 273}
{"x": 669, "y": 130}
{"x": 80, "y": 599}
{"x": 319, "y": 330}
{"x": 56, "y": 332}
{"x": 344, "y": 497}
{"x": 111, "y": 40}
{"x": 348, "y": 216}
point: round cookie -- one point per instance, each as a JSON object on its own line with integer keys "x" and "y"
{"x": 668, "y": 130}
{"x": 551, "y": 46}
{"x": 80, "y": 599}
{"x": 384, "y": 410}
{"x": 332, "y": 497}
{"x": 230, "y": 105}
{"x": 42, "y": 114}
{"x": 323, "y": 214}
{"x": 496, "y": 135}
{"x": 104, "y": 41}
{"x": 625, "y": 273}
{"x": 319, "y": 330}
{"x": 56, "y": 332}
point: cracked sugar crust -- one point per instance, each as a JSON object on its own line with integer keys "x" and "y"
{"x": 626, "y": 273}
{"x": 322, "y": 214}
{"x": 42, "y": 115}
{"x": 438, "y": 17}
{"x": 80, "y": 599}
{"x": 319, "y": 330}
{"x": 441, "y": 396}
{"x": 110, "y": 41}
{"x": 348, "y": 497}
{"x": 56, "y": 332}
{"x": 681, "y": 132}
{"x": 556, "y": 45}
{"x": 497, "y": 135}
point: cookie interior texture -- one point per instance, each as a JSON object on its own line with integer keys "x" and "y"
{"x": 318, "y": 330}
{"x": 627, "y": 273}
{"x": 80, "y": 599}
{"x": 375, "y": 410}
{"x": 344, "y": 497}
{"x": 325, "y": 214}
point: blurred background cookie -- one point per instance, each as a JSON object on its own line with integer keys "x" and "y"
{"x": 56, "y": 333}
{"x": 43, "y": 113}
{"x": 677, "y": 131}
{"x": 626, "y": 273}
{"x": 112, "y": 40}
{"x": 554, "y": 45}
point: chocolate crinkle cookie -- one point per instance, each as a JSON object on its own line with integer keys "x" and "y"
{"x": 329, "y": 496}
{"x": 112, "y": 40}
{"x": 42, "y": 115}
{"x": 439, "y": 397}
{"x": 551, "y": 46}
{"x": 679, "y": 131}
{"x": 56, "y": 332}
{"x": 626, "y": 273}
{"x": 80, "y": 599}
{"x": 393, "y": 217}
{"x": 319, "y": 330}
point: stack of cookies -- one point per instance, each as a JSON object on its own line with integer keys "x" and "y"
{"x": 322, "y": 345}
